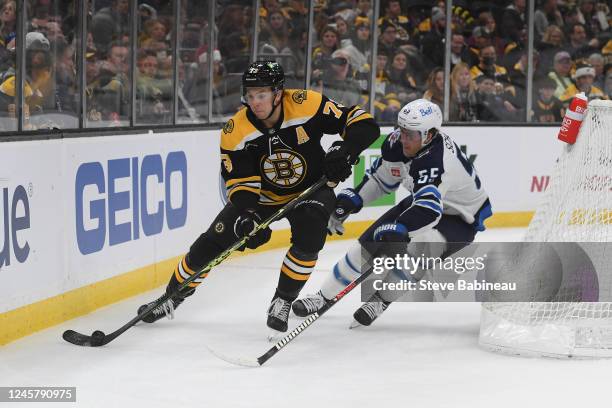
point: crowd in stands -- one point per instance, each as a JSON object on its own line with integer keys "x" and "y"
{"x": 488, "y": 76}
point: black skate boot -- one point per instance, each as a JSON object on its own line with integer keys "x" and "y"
{"x": 369, "y": 311}
{"x": 278, "y": 315}
{"x": 309, "y": 304}
{"x": 165, "y": 309}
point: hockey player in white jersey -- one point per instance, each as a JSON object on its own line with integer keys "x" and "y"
{"x": 446, "y": 207}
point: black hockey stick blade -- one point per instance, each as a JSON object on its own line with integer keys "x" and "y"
{"x": 98, "y": 338}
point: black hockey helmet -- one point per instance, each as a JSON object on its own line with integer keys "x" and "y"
{"x": 263, "y": 73}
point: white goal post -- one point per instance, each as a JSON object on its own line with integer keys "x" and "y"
{"x": 577, "y": 208}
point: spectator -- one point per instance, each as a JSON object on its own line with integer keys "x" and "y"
{"x": 362, "y": 40}
{"x": 393, "y": 15}
{"x": 487, "y": 65}
{"x": 7, "y": 34}
{"x": 579, "y": 45}
{"x": 154, "y": 32}
{"x": 487, "y": 22}
{"x": 585, "y": 74}
{"x": 586, "y": 14}
{"x": 432, "y": 42}
{"x": 110, "y": 91}
{"x": 546, "y": 15}
{"x": 321, "y": 55}
{"x": 364, "y": 9}
{"x": 8, "y": 21}
{"x": 513, "y": 20}
{"x": 552, "y": 43}
{"x": 151, "y": 97}
{"x": 480, "y": 38}
{"x": 234, "y": 38}
{"x": 388, "y": 42}
{"x": 518, "y": 78}
{"x": 463, "y": 103}
{"x": 401, "y": 80}
{"x": 460, "y": 51}
{"x": 338, "y": 83}
{"x": 275, "y": 34}
{"x": 597, "y": 61}
{"x": 561, "y": 72}
{"x": 547, "y": 108}
{"x": 297, "y": 10}
{"x": 435, "y": 87}
{"x": 65, "y": 77}
{"x": 110, "y": 24}
{"x": 490, "y": 106}
{"x": 341, "y": 27}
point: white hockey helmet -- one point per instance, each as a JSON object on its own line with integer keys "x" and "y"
{"x": 420, "y": 115}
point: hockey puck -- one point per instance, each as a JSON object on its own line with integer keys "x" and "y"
{"x": 97, "y": 338}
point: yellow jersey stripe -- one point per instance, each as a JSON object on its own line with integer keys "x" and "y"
{"x": 306, "y": 264}
{"x": 238, "y": 188}
{"x": 293, "y": 275}
{"x": 231, "y": 182}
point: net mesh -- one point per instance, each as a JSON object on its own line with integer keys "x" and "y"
{"x": 577, "y": 208}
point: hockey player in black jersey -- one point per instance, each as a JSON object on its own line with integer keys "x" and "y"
{"x": 445, "y": 209}
{"x": 270, "y": 153}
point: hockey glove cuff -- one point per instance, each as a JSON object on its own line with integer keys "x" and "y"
{"x": 391, "y": 232}
{"x": 348, "y": 202}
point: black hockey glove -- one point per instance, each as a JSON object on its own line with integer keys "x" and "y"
{"x": 337, "y": 165}
{"x": 391, "y": 232}
{"x": 246, "y": 223}
{"x": 347, "y": 202}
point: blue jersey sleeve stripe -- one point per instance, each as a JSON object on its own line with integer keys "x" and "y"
{"x": 428, "y": 189}
{"x": 429, "y": 204}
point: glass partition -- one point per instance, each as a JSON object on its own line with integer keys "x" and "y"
{"x": 107, "y": 64}
{"x": 50, "y": 88}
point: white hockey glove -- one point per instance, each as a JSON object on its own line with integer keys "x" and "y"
{"x": 347, "y": 202}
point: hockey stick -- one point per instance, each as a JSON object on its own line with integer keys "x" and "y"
{"x": 259, "y": 361}
{"x": 98, "y": 338}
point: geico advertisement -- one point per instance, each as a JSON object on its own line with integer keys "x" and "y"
{"x": 138, "y": 199}
{"x": 120, "y": 199}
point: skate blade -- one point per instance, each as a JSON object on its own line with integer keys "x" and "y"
{"x": 275, "y": 335}
{"x": 355, "y": 324}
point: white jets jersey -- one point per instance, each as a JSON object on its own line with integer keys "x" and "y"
{"x": 440, "y": 179}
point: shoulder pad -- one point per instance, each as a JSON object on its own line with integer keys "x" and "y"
{"x": 237, "y": 131}
{"x": 392, "y": 150}
{"x": 300, "y": 105}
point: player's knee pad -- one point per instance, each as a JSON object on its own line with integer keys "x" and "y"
{"x": 309, "y": 228}
{"x": 219, "y": 236}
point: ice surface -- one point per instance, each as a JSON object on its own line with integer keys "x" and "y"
{"x": 416, "y": 355}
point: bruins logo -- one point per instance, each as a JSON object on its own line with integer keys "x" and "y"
{"x": 284, "y": 168}
{"x": 229, "y": 126}
{"x": 219, "y": 227}
{"x": 299, "y": 96}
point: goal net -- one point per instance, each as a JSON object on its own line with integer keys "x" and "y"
{"x": 577, "y": 208}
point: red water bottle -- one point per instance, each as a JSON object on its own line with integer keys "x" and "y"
{"x": 568, "y": 132}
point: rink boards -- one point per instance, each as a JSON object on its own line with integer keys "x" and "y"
{"x": 90, "y": 221}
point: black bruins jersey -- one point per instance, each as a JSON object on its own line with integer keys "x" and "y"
{"x": 263, "y": 166}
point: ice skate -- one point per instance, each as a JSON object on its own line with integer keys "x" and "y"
{"x": 309, "y": 304}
